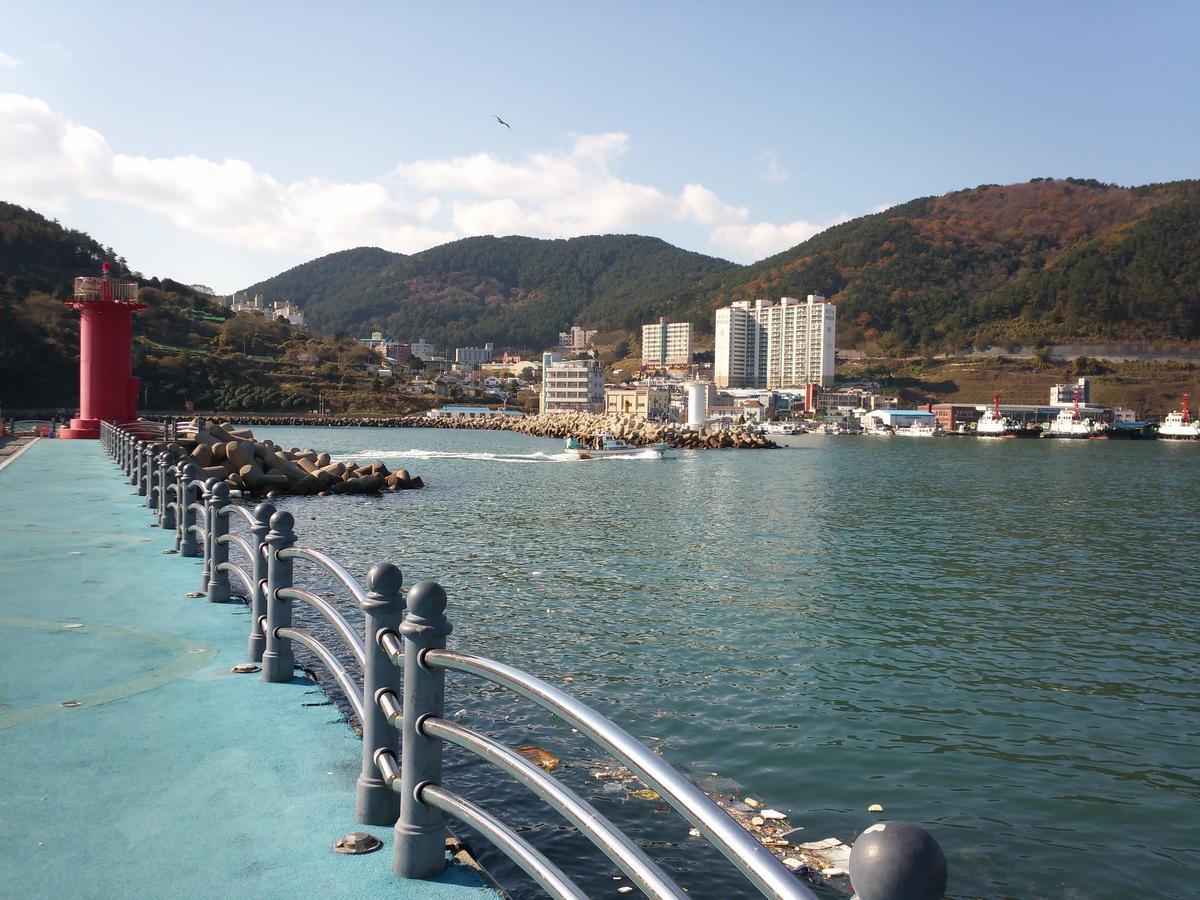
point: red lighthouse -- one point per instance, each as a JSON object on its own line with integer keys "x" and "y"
{"x": 107, "y": 389}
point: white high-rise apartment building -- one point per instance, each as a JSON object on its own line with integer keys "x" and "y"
{"x": 762, "y": 345}
{"x": 667, "y": 343}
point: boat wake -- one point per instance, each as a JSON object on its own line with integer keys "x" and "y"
{"x": 383, "y": 455}
{"x": 416, "y": 453}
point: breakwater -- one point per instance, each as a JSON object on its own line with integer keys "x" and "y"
{"x": 581, "y": 426}
{"x": 233, "y": 456}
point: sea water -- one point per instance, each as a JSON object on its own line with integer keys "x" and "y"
{"x": 994, "y": 639}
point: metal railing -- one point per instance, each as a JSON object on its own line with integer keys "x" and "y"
{"x": 400, "y": 701}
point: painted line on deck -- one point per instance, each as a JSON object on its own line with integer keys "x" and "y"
{"x": 182, "y": 665}
{"x": 16, "y": 454}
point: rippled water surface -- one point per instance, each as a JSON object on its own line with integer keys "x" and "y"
{"x": 996, "y": 640}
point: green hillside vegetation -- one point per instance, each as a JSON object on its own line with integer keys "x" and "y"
{"x": 1044, "y": 262}
{"x": 515, "y": 292}
{"x": 185, "y": 346}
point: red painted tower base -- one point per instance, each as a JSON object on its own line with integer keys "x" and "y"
{"x": 107, "y": 390}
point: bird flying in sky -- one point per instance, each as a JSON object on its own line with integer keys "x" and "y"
{"x": 502, "y": 122}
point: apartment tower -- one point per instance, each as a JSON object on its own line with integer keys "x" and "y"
{"x": 760, "y": 345}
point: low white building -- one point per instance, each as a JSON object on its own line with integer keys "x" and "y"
{"x": 470, "y": 412}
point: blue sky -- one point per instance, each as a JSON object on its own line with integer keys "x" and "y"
{"x": 222, "y": 143}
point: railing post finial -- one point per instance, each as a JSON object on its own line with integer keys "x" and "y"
{"x": 420, "y": 836}
{"x": 376, "y": 803}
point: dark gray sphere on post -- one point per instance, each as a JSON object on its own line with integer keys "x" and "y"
{"x": 897, "y": 861}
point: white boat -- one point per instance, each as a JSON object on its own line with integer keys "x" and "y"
{"x": 920, "y": 429}
{"x": 782, "y": 428}
{"x": 1069, "y": 425}
{"x": 607, "y": 445}
{"x": 1180, "y": 426}
{"x": 880, "y": 431}
{"x": 993, "y": 425}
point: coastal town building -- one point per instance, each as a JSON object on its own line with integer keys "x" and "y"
{"x": 642, "y": 402}
{"x": 468, "y": 357}
{"x": 422, "y": 350}
{"x": 1065, "y": 394}
{"x": 254, "y": 304}
{"x": 380, "y": 343}
{"x": 571, "y": 385}
{"x": 899, "y": 418}
{"x": 790, "y": 344}
{"x": 471, "y": 412}
{"x": 575, "y": 340}
{"x": 666, "y": 344}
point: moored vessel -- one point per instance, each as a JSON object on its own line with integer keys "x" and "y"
{"x": 993, "y": 425}
{"x": 1069, "y": 425}
{"x": 1180, "y": 426}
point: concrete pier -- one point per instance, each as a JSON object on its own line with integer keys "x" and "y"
{"x": 133, "y": 762}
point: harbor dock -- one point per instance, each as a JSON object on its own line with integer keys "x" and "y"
{"x": 133, "y": 761}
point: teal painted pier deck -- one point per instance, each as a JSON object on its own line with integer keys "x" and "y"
{"x": 172, "y": 777}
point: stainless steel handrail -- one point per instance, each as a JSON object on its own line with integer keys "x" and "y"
{"x": 750, "y": 857}
{"x": 353, "y": 694}
{"x": 331, "y": 614}
{"x": 598, "y": 829}
{"x": 239, "y": 541}
{"x": 240, "y": 510}
{"x": 550, "y": 877}
{"x": 235, "y": 569}
{"x": 330, "y": 565}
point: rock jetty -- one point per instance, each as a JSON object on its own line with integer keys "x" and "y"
{"x": 262, "y": 468}
{"x": 581, "y": 426}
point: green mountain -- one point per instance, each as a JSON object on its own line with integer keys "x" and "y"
{"x": 513, "y": 291}
{"x": 1044, "y": 261}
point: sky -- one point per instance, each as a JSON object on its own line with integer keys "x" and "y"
{"x": 221, "y": 143}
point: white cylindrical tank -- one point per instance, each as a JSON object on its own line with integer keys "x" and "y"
{"x": 697, "y": 404}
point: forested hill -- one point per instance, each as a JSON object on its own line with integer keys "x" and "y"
{"x": 514, "y": 291}
{"x": 1050, "y": 260}
{"x": 1043, "y": 261}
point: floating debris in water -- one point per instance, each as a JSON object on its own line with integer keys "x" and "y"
{"x": 540, "y": 756}
{"x": 752, "y": 803}
{"x": 646, "y": 794}
{"x": 75, "y": 625}
{"x": 874, "y": 807}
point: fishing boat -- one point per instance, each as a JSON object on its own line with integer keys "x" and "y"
{"x": 1180, "y": 426}
{"x": 606, "y": 445}
{"x": 1069, "y": 425}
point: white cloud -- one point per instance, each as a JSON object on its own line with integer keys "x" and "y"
{"x": 764, "y": 239}
{"x": 773, "y": 170}
{"x": 8, "y": 62}
{"x": 47, "y": 160}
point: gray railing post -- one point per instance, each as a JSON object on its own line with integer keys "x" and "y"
{"x": 376, "y": 803}
{"x": 218, "y": 578}
{"x": 166, "y": 513}
{"x": 420, "y": 834}
{"x": 186, "y": 542}
{"x": 206, "y": 546}
{"x": 143, "y": 467}
{"x": 277, "y": 659}
{"x": 258, "y": 574}
{"x": 151, "y": 476}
